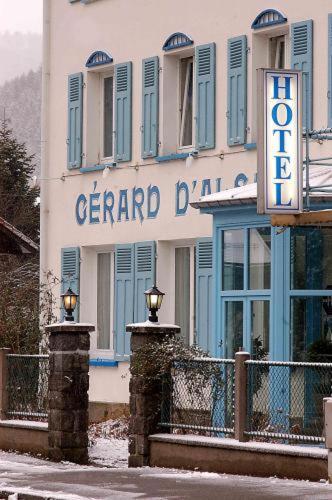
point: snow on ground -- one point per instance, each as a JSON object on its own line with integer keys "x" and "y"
{"x": 109, "y": 452}
{"x": 109, "y": 443}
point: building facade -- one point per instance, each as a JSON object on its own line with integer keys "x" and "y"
{"x": 148, "y": 107}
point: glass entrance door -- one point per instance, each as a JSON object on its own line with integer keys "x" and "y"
{"x": 247, "y": 325}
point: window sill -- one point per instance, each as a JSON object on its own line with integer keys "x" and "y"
{"x": 96, "y": 168}
{"x": 250, "y": 145}
{"x": 173, "y": 156}
{"x": 103, "y": 362}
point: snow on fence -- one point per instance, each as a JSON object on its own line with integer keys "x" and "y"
{"x": 27, "y": 386}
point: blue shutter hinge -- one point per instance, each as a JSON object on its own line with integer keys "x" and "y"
{"x": 228, "y": 114}
{"x": 160, "y": 69}
{"x": 248, "y": 49}
{"x": 83, "y": 85}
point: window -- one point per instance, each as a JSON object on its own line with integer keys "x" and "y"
{"x": 269, "y": 50}
{"x": 107, "y": 126}
{"x": 245, "y": 290}
{"x": 277, "y": 52}
{"x": 185, "y": 292}
{"x": 186, "y": 101}
{"x": 100, "y": 122}
{"x": 310, "y": 293}
{"x": 105, "y": 269}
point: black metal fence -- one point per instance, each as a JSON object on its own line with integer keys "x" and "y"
{"x": 285, "y": 400}
{"x": 27, "y": 386}
{"x": 198, "y": 396}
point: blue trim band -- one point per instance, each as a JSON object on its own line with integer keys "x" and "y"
{"x": 173, "y": 156}
{"x": 250, "y": 145}
{"x": 103, "y": 362}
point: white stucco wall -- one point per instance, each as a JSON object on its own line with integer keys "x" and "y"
{"x": 131, "y": 30}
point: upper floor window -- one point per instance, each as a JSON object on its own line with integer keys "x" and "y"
{"x": 186, "y": 101}
{"x": 107, "y": 84}
{"x": 277, "y": 52}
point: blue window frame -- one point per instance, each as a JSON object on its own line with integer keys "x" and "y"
{"x": 244, "y": 287}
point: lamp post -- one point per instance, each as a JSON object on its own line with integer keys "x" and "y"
{"x": 154, "y": 298}
{"x": 69, "y": 301}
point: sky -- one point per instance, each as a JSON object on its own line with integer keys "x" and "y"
{"x": 21, "y": 15}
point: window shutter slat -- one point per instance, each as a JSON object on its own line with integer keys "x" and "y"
{"x": 123, "y": 296}
{"x": 205, "y": 69}
{"x": 237, "y": 90}
{"x": 301, "y": 58}
{"x": 75, "y": 120}
{"x": 123, "y": 115}
{"x": 150, "y": 107}
{"x": 145, "y": 253}
{"x": 204, "y": 268}
{"x": 329, "y": 93}
{"x": 70, "y": 274}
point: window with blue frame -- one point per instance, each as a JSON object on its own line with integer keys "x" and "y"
{"x": 246, "y": 289}
{"x": 310, "y": 293}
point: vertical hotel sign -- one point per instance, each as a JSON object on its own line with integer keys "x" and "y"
{"x": 280, "y": 182}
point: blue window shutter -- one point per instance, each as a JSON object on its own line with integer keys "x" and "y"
{"x": 75, "y": 120}
{"x": 70, "y": 274}
{"x": 150, "y": 107}
{"x": 123, "y": 296}
{"x": 205, "y": 75}
{"x": 145, "y": 268}
{"x": 329, "y": 91}
{"x": 204, "y": 265}
{"x": 123, "y": 111}
{"x": 237, "y": 90}
{"x": 301, "y": 58}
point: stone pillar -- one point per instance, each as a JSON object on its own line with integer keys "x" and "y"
{"x": 68, "y": 391}
{"x": 240, "y": 395}
{"x": 145, "y": 396}
{"x": 3, "y": 383}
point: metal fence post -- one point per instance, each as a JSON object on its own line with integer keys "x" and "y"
{"x": 3, "y": 382}
{"x": 240, "y": 395}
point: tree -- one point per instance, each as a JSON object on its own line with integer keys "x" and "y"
{"x": 18, "y": 200}
{"x": 22, "y": 299}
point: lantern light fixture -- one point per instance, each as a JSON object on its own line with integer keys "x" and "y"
{"x": 69, "y": 301}
{"x": 154, "y": 298}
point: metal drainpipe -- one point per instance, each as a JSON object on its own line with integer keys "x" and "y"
{"x": 44, "y": 174}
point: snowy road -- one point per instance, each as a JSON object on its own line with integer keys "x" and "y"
{"x": 20, "y": 473}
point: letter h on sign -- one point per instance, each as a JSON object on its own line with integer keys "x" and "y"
{"x": 279, "y": 179}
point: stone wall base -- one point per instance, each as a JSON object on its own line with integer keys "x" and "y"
{"x": 231, "y": 457}
{"x": 100, "y": 411}
{"x": 24, "y": 436}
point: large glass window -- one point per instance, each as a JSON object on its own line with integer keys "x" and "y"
{"x": 108, "y": 117}
{"x": 233, "y": 327}
{"x": 311, "y": 315}
{"x": 233, "y": 259}
{"x": 104, "y": 261}
{"x": 311, "y": 329}
{"x": 245, "y": 290}
{"x": 311, "y": 258}
{"x": 186, "y": 101}
{"x": 260, "y": 328}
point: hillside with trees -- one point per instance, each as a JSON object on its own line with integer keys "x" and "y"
{"x": 19, "y": 53}
{"x": 20, "y": 106}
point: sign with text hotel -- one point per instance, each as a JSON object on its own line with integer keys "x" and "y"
{"x": 279, "y": 180}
